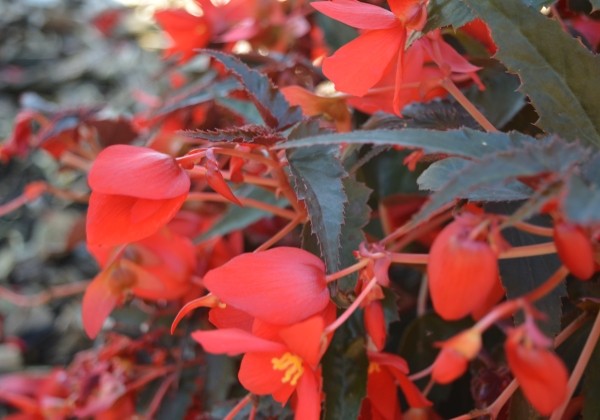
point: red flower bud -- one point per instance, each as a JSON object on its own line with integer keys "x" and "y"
{"x": 452, "y": 361}
{"x": 574, "y": 249}
{"x": 540, "y": 373}
{"x": 463, "y": 271}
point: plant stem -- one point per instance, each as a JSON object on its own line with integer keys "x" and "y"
{"x": 238, "y": 407}
{"x": 350, "y": 310}
{"x": 468, "y": 105}
{"x": 348, "y": 270}
{"x": 56, "y": 292}
{"x": 529, "y": 251}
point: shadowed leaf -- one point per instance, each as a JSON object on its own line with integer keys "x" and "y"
{"x": 463, "y": 142}
{"x": 560, "y": 76}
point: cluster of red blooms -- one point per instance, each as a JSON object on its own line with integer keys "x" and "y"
{"x": 273, "y": 305}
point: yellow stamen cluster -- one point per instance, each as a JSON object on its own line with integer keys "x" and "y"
{"x": 291, "y": 365}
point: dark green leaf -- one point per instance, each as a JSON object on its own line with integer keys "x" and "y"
{"x": 499, "y": 101}
{"x": 546, "y": 156}
{"x": 558, "y": 73}
{"x": 435, "y": 177}
{"x": 356, "y": 216}
{"x": 591, "y": 386}
{"x": 317, "y": 178}
{"x": 345, "y": 367}
{"x": 445, "y": 13}
{"x": 243, "y": 108}
{"x": 237, "y": 217}
{"x": 522, "y": 275}
{"x": 464, "y": 142}
{"x": 271, "y": 104}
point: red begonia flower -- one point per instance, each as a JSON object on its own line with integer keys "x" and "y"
{"x": 135, "y": 191}
{"x": 285, "y": 363}
{"x": 155, "y": 268}
{"x": 575, "y": 249}
{"x": 187, "y": 32}
{"x": 360, "y": 64}
{"x": 541, "y": 374}
{"x": 462, "y": 270}
{"x": 282, "y": 285}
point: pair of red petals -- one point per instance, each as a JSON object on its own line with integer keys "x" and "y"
{"x": 135, "y": 191}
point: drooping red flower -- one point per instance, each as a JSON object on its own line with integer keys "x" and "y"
{"x": 155, "y": 268}
{"x": 281, "y": 285}
{"x": 135, "y": 191}
{"x": 386, "y": 373}
{"x": 453, "y": 359}
{"x": 541, "y": 374}
{"x": 575, "y": 249}
{"x": 285, "y": 363}
{"x": 359, "y": 65}
{"x": 462, "y": 269}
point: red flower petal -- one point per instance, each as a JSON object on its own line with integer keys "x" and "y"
{"x": 462, "y": 271}
{"x": 381, "y": 392}
{"x": 187, "y": 32}
{"x": 413, "y": 13}
{"x": 356, "y": 14}
{"x": 304, "y": 339}
{"x": 137, "y": 172}
{"x": 257, "y": 375}
{"x": 98, "y": 302}
{"x": 207, "y": 301}
{"x": 375, "y": 324}
{"x": 360, "y": 64}
{"x": 540, "y": 373}
{"x": 230, "y": 317}
{"x": 281, "y": 286}
{"x": 308, "y": 406}
{"x": 233, "y": 341}
{"x": 118, "y": 219}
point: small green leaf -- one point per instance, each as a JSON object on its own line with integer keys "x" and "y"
{"x": 237, "y": 217}
{"x": 270, "y": 102}
{"x": 345, "y": 367}
{"x": 445, "y": 13}
{"x": 560, "y": 76}
{"x": 534, "y": 159}
{"x": 463, "y": 142}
